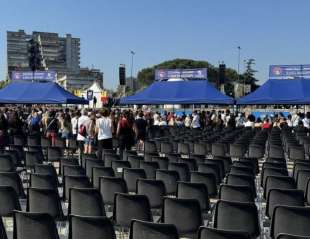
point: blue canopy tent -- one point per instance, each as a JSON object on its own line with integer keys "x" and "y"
{"x": 178, "y": 92}
{"x": 37, "y": 93}
{"x": 275, "y": 92}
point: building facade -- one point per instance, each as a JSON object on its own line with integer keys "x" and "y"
{"x": 60, "y": 54}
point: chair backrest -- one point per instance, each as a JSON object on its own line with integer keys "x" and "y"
{"x": 142, "y": 230}
{"x": 73, "y": 170}
{"x": 109, "y": 186}
{"x": 169, "y": 178}
{"x": 303, "y": 177}
{"x": 162, "y": 162}
{"x": 212, "y": 233}
{"x": 46, "y": 169}
{"x": 149, "y": 168}
{"x": 131, "y": 175}
{"x": 118, "y": 167}
{"x": 242, "y": 170}
{"x": 197, "y": 191}
{"x": 300, "y": 166}
{"x": 289, "y": 236}
{"x": 236, "y": 193}
{"x": 85, "y": 202}
{"x": 90, "y": 163}
{"x": 8, "y": 202}
{"x": 74, "y": 182}
{"x": 182, "y": 169}
{"x": 81, "y": 227}
{"x": 185, "y": 214}
{"x": 44, "y": 201}
{"x": 283, "y": 197}
{"x": 135, "y": 161}
{"x": 237, "y": 216}
{"x": 39, "y": 180}
{"x": 154, "y": 190}
{"x": 13, "y": 180}
{"x": 6, "y": 163}
{"x": 206, "y": 178}
{"x": 33, "y": 158}
{"x": 211, "y": 168}
{"x": 281, "y": 182}
{"x": 128, "y": 207}
{"x": 67, "y": 161}
{"x": 99, "y": 172}
{"x": 290, "y": 220}
{"x": 242, "y": 180}
{"x": 28, "y": 225}
{"x": 272, "y": 171}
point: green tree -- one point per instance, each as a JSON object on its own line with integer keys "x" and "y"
{"x": 4, "y": 83}
{"x": 249, "y": 74}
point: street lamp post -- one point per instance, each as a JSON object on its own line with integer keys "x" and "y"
{"x": 131, "y": 68}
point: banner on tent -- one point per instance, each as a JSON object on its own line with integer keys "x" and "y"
{"x": 165, "y": 74}
{"x": 49, "y": 76}
{"x": 289, "y": 71}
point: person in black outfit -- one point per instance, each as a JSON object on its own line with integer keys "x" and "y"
{"x": 140, "y": 125}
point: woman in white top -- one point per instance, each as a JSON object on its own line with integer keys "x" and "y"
{"x": 104, "y": 131}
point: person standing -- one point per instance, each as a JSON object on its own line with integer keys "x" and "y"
{"x": 124, "y": 132}
{"x": 83, "y": 122}
{"x": 52, "y": 127}
{"x": 74, "y": 124}
{"x": 91, "y": 134}
{"x": 140, "y": 125}
{"x": 104, "y": 131}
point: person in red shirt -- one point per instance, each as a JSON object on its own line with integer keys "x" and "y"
{"x": 266, "y": 124}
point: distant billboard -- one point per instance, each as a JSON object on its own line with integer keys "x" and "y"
{"x": 289, "y": 71}
{"x": 36, "y": 76}
{"x": 165, "y": 74}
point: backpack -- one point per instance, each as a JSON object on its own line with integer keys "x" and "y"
{"x": 82, "y": 130}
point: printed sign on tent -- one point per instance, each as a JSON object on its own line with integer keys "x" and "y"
{"x": 90, "y": 94}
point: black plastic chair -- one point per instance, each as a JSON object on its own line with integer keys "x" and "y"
{"x": 237, "y": 216}
{"x": 67, "y": 161}
{"x": 135, "y": 161}
{"x": 281, "y": 182}
{"x": 90, "y": 164}
{"x": 28, "y": 225}
{"x": 212, "y": 233}
{"x": 81, "y": 227}
{"x": 154, "y": 190}
{"x": 118, "y": 167}
{"x": 128, "y": 207}
{"x": 7, "y": 164}
{"x": 99, "y": 172}
{"x": 162, "y": 162}
{"x": 46, "y": 169}
{"x": 185, "y": 214}
{"x": 74, "y": 182}
{"x": 33, "y": 158}
{"x": 211, "y": 168}
{"x": 283, "y": 197}
{"x": 45, "y": 181}
{"x": 109, "y": 186}
{"x": 182, "y": 169}
{"x": 242, "y": 180}
{"x": 142, "y": 230}
{"x": 303, "y": 177}
{"x": 44, "y": 201}
{"x": 236, "y": 193}
{"x": 73, "y": 170}
{"x": 170, "y": 179}
{"x": 197, "y": 191}
{"x": 85, "y": 202}
{"x": 290, "y": 220}
{"x": 131, "y": 175}
{"x": 13, "y": 180}
{"x": 8, "y": 202}
{"x": 54, "y": 153}
{"x": 149, "y": 168}
{"x": 206, "y": 178}
{"x": 290, "y": 236}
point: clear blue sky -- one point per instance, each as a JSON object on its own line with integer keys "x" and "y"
{"x": 271, "y": 31}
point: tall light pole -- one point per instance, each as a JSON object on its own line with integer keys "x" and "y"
{"x": 239, "y": 49}
{"x": 131, "y": 68}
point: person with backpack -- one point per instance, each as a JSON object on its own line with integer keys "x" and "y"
{"x": 34, "y": 123}
{"x": 52, "y": 127}
{"x": 82, "y": 124}
{"x": 125, "y": 132}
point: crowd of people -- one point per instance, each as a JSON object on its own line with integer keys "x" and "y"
{"x": 98, "y": 127}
